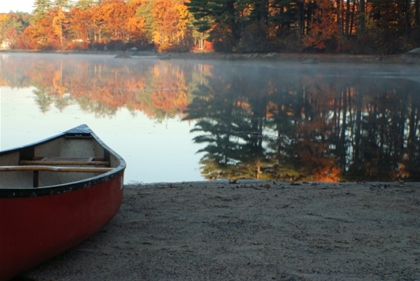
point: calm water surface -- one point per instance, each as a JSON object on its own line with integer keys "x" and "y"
{"x": 175, "y": 120}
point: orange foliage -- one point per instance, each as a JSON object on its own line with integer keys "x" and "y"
{"x": 157, "y": 90}
{"x": 115, "y": 14}
{"x": 11, "y": 33}
{"x": 109, "y": 20}
{"x": 170, "y": 18}
{"x": 329, "y": 174}
{"x": 45, "y": 33}
{"x": 206, "y": 48}
{"x": 27, "y": 40}
{"x": 169, "y": 95}
{"x": 324, "y": 26}
{"x": 81, "y": 22}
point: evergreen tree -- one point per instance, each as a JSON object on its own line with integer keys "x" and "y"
{"x": 202, "y": 15}
{"x": 144, "y": 11}
{"x": 41, "y": 7}
{"x": 222, "y": 17}
{"x": 85, "y": 4}
{"x": 258, "y": 10}
{"x": 63, "y": 4}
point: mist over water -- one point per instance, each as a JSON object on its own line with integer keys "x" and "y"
{"x": 246, "y": 119}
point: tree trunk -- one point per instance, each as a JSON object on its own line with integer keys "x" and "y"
{"x": 301, "y": 17}
{"x": 347, "y": 24}
{"x": 261, "y": 12}
{"x": 230, "y": 7}
{"x": 362, "y": 17}
{"x": 61, "y": 36}
{"x": 339, "y": 17}
{"x": 258, "y": 171}
{"x": 353, "y": 13}
{"x": 407, "y": 19}
{"x": 417, "y": 12}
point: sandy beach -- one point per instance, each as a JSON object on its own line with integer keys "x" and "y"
{"x": 252, "y": 230}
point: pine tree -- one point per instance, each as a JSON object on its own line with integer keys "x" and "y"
{"x": 219, "y": 16}
{"x": 144, "y": 11}
{"x": 63, "y": 4}
{"x": 85, "y": 4}
{"x": 258, "y": 10}
{"x": 201, "y": 13}
{"x": 41, "y": 7}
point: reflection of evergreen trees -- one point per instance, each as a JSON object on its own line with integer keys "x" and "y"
{"x": 221, "y": 121}
{"x": 233, "y": 118}
{"x": 388, "y": 133}
{"x": 306, "y": 127}
{"x": 43, "y": 99}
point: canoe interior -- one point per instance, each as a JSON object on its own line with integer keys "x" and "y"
{"x": 59, "y": 149}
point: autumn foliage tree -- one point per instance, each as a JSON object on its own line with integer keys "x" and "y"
{"x": 355, "y": 26}
{"x": 43, "y": 33}
{"x": 170, "y": 23}
{"x": 323, "y": 29}
{"x": 11, "y": 25}
{"x": 115, "y": 14}
{"x": 81, "y": 25}
{"x": 290, "y": 25}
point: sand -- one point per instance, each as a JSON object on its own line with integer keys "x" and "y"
{"x": 252, "y": 230}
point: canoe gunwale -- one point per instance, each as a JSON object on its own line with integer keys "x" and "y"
{"x": 82, "y": 130}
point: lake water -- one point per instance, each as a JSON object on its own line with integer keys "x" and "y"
{"x": 177, "y": 120}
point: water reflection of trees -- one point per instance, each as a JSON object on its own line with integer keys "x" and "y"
{"x": 101, "y": 85}
{"x": 306, "y": 127}
{"x": 253, "y": 121}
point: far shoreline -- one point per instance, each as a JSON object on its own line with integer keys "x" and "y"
{"x": 306, "y": 58}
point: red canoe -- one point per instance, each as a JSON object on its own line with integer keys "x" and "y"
{"x": 53, "y": 195}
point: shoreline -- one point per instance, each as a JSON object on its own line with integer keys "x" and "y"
{"x": 252, "y": 230}
{"x": 307, "y": 58}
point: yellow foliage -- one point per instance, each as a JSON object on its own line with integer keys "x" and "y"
{"x": 3, "y": 18}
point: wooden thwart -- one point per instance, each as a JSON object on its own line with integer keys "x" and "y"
{"x": 36, "y": 162}
{"x": 57, "y": 161}
{"x": 59, "y": 164}
{"x": 55, "y": 169}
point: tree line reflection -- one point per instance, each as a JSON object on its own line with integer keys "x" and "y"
{"x": 100, "y": 85}
{"x": 307, "y": 127}
{"x": 292, "y": 123}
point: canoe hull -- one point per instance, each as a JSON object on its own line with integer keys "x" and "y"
{"x": 53, "y": 195}
{"x": 34, "y": 229}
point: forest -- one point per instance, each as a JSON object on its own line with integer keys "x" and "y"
{"x": 229, "y": 26}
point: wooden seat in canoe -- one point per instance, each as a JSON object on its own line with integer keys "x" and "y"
{"x": 55, "y": 169}
{"x": 57, "y": 161}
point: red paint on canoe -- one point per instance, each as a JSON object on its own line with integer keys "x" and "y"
{"x": 35, "y": 229}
